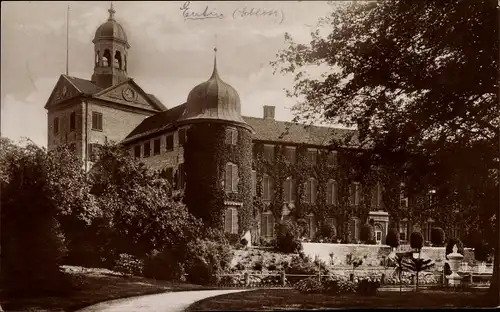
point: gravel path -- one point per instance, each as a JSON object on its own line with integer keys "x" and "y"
{"x": 164, "y": 302}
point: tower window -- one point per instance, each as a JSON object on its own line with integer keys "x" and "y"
{"x": 72, "y": 121}
{"x": 56, "y": 125}
{"x": 96, "y": 121}
{"x": 182, "y": 137}
{"x": 97, "y": 58}
{"x": 231, "y": 182}
{"x": 125, "y": 62}
{"x": 118, "y": 60}
{"x": 106, "y": 58}
{"x": 231, "y": 136}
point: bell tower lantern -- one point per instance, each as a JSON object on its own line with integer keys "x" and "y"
{"x": 110, "y": 51}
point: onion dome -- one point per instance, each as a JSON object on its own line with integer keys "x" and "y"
{"x": 214, "y": 100}
{"x": 111, "y": 30}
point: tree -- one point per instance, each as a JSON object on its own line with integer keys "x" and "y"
{"x": 393, "y": 61}
{"x": 367, "y": 234}
{"x": 437, "y": 236}
{"x": 392, "y": 238}
{"x": 416, "y": 241}
{"x": 417, "y": 265}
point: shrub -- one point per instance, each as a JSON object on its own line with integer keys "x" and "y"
{"x": 367, "y": 234}
{"x": 368, "y": 287}
{"x": 239, "y": 266}
{"x": 205, "y": 259}
{"x": 272, "y": 267}
{"x": 232, "y": 239}
{"x": 164, "y": 265}
{"x": 328, "y": 232}
{"x": 258, "y": 266}
{"x": 452, "y": 242}
{"x": 129, "y": 265}
{"x": 336, "y": 286}
{"x": 309, "y": 285}
{"x": 244, "y": 242}
{"x": 437, "y": 236}
{"x": 392, "y": 238}
{"x": 416, "y": 240}
{"x": 287, "y": 237}
{"x": 481, "y": 251}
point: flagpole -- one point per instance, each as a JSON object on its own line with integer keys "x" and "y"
{"x": 67, "y": 41}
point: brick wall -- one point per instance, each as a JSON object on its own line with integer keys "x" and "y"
{"x": 64, "y": 135}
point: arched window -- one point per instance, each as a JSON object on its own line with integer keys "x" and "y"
{"x": 118, "y": 60}
{"x": 106, "y": 58}
{"x": 97, "y": 58}
{"x": 231, "y": 180}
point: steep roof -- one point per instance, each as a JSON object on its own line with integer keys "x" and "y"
{"x": 269, "y": 130}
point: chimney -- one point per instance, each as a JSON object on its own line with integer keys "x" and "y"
{"x": 268, "y": 112}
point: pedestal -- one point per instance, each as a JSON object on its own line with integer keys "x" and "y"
{"x": 454, "y": 279}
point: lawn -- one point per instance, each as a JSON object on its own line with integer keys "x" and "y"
{"x": 277, "y": 299}
{"x": 93, "y": 286}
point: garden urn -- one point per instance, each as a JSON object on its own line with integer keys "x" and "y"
{"x": 454, "y": 260}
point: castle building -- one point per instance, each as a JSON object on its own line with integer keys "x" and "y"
{"x": 223, "y": 160}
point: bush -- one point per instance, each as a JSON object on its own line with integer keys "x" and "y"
{"x": 368, "y": 287}
{"x": 437, "y": 236}
{"x": 164, "y": 265}
{"x": 481, "y": 251}
{"x": 367, "y": 234}
{"x": 232, "y": 239}
{"x": 392, "y": 238}
{"x": 309, "y": 285}
{"x": 258, "y": 266}
{"x": 205, "y": 259}
{"x": 244, "y": 242}
{"x": 336, "y": 286}
{"x": 129, "y": 265}
{"x": 328, "y": 232}
{"x": 452, "y": 242}
{"x": 288, "y": 237}
{"x": 416, "y": 240}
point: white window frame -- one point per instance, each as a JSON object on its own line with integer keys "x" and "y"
{"x": 293, "y": 150}
{"x": 267, "y": 187}
{"x": 334, "y": 161}
{"x": 231, "y": 213}
{"x": 288, "y": 185}
{"x": 312, "y": 153}
{"x": 331, "y": 189}
{"x": 231, "y": 136}
{"x": 267, "y": 224}
{"x": 271, "y": 147}
{"x": 311, "y": 187}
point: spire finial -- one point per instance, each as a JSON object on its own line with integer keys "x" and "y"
{"x": 215, "y": 73}
{"x": 111, "y": 12}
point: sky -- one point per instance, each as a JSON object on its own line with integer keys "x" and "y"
{"x": 169, "y": 54}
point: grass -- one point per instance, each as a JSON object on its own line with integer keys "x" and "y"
{"x": 276, "y": 299}
{"x": 92, "y": 286}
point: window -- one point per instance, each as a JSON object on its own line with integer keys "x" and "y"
{"x": 403, "y": 197}
{"x": 93, "y": 152}
{"x": 312, "y": 156}
{"x": 267, "y": 224}
{"x": 311, "y": 225}
{"x": 96, "y": 121}
{"x": 427, "y": 229}
{"x": 332, "y": 158}
{"x": 290, "y": 154}
{"x": 354, "y": 194}
{"x": 156, "y": 147}
{"x": 267, "y": 187}
{"x": 376, "y": 196}
{"x": 231, "y": 180}
{"x": 331, "y": 192}
{"x": 231, "y": 136}
{"x": 231, "y": 220}
{"x": 137, "y": 151}
{"x": 169, "y": 175}
{"x": 331, "y": 222}
{"x": 254, "y": 182}
{"x": 310, "y": 191}
{"x": 182, "y": 137}
{"x": 72, "y": 121}
{"x": 56, "y": 125}
{"x": 289, "y": 190}
{"x": 269, "y": 152}
{"x": 403, "y": 230}
{"x": 147, "y": 149}
{"x": 170, "y": 142}
{"x": 181, "y": 176}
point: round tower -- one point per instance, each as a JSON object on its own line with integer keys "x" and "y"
{"x": 110, "y": 51}
{"x": 218, "y": 157}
